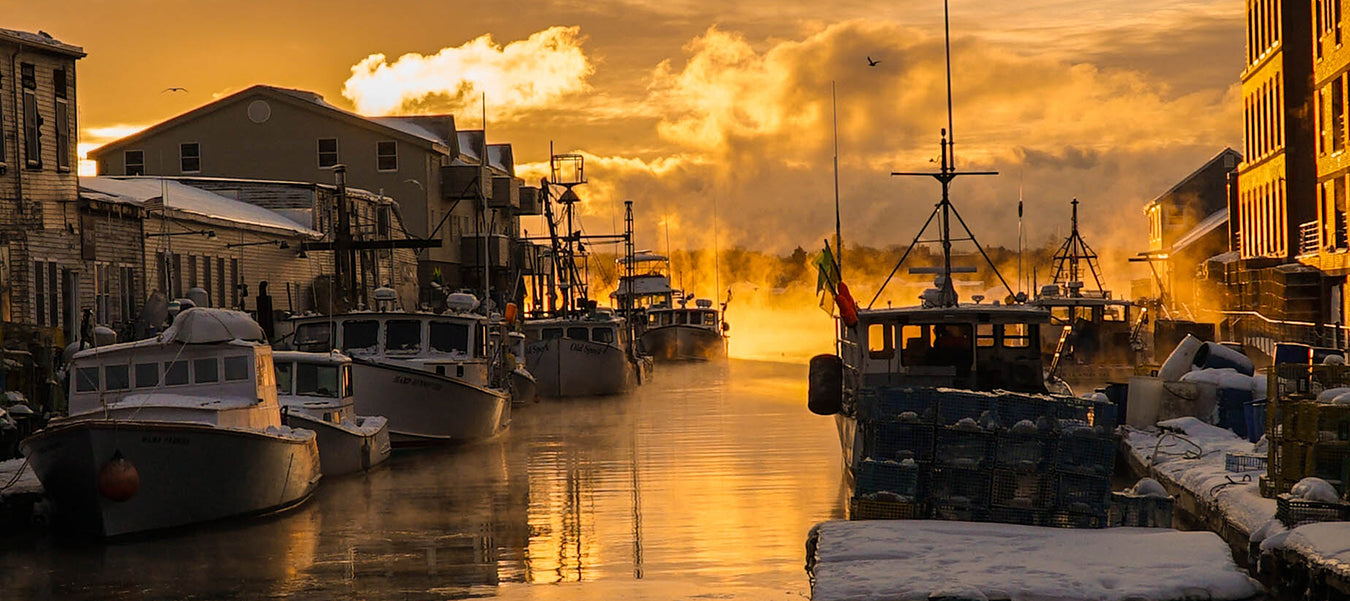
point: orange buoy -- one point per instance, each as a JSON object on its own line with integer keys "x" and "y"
{"x": 118, "y": 479}
{"x": 510, "y": 314}
{"x": 848, "y": 309}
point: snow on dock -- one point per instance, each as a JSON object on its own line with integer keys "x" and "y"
{"x": 921, "y": 560}
{"x": 18, "y": 471}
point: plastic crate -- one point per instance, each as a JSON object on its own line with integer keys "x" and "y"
{"x": 959, "y": 487}
{"x": 1024, "y": 490}
{"x": 1077, "y": 519}
{"x": 887, "y": 403}
{"x": 1012, "y": 515}
{"x": 962, "y": 512}
{"x": 1084, "y": 451}
{"x": 1295, "y": 512}
{"x": 898, "y": 440}
{"x": 1082, "y": 493}
{"x": 1316, "y": 422}
{"x": 1140, "y": 512}
{"x": 896, "y": 477}
{"x": 1330, "y": 461}
{"x": 1244, "y": 462}
{"x": 1013, "y": 408}
{"x": 879, "y": 509}
{"x": 1016, "y": 451}
{"x": 962, "y": 448}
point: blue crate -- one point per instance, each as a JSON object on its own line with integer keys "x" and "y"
{"x": 889, "y": 402}
{"x": 959, "y": 447}
{"x": 1077, "y": 519}
{"x": 1082, "y": 493}
{"x": 898, "y": 440}
{"x": 1013, "y": 408}
{"x": 959, "y": 487}
{"x": 1030, "y": 491}
{"x": 961, "y": 512}
{"x": 1244, "y": 462}
{"x": 1084, "y": 451}
{"x": 1019, "y": 451}
{"x": 895, "y": 477}
{"x": 1025, "y": 517}
{"x": 953, "y": 406}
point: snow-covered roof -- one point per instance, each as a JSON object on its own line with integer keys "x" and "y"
{"x": 1208, "y": 224}
{"x": 501, "y": 158}
{"x": 138, "y": 190}
{"x": 433, "y": 128}
{"x": 202, "y": 325}
{"x": 42, "y": 39}
{"x": 470, "y": 143}
{"x": 1226, "y": 257}
{"x": 329, "y": 358}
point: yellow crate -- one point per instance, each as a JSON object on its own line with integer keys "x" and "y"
{"x": 872, "y": 509}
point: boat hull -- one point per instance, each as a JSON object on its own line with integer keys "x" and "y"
{"x": 426, "y": 408}
{"x": 684, "y": 343}
{"x": 574, "y": 368}
{"x": 189, "y": 473}
{"x": 346, "y": 448}
{"x": 523, "y": 387}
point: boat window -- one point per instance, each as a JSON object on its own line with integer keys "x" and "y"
{"x": 314, "y": 337}
{"x": 550, "y": 333}
{"x": 317, "y": 380}
{"x": 654, "y": 319}
{"x": 1016, "y": 335}
{"x": 116, "y": 377}
{"x": 602, "y": 335}
{"x": 916, "y": 343}
{"x": 206, "y": 370}
{"x": 710, "y": 317}
{"x": 175, "y": 373}
{"x": 236, "y": 368}
{"x": 449, "y": 337}
{"x": 880, "y": 341}
{"x": 1113, "y": 313}
{"x": 360, "y": 335}
{"x": 481, "y": 332}
{"x": 1061, "y": 314}
{"x": 402, "y": 336}
{"x": 86, "y": 379}
{"x": 283, "y": 376}
{"x": 578, "y": 333}
{"x": 147, "y": 375}
{"x": 984, "y": 335}
{"x": 347, "y": 380}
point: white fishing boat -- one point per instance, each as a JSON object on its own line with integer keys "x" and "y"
{"x": 524, "y": 388}
{"x": 668, "y": 329}
{"x": 174, "y": 430}
{"x": 315, "y": 392}
{"x": 582, "y": 356}
{"x": 430, "y": 374}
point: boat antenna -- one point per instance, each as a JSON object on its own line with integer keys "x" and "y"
{"x": 1074, "y": 250}
{"x": 717, "y": 275}
{"x": 944, "y": 210}
{"x": 838, "y": 235}
{"x": 483, "y": 182}
{"x": 1019, "y": 231}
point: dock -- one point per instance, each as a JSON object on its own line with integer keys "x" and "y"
{"x": 20, "y": 492}
{"x": 1188, "y": 457}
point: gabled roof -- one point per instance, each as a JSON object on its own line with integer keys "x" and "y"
{"x": 471, "y": 144}
{"x": 41, "y": 39}
{"x": 1226, "y": 152}
{"x": 427, "y": 131}
{"x": 500, "y": 157}
{"x": 178, "y": 197}
{"x": 1214, "y": 221}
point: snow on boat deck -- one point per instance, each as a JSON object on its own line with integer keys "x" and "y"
{"x": 27, "y": 481}
{"x": 922, "y": 559}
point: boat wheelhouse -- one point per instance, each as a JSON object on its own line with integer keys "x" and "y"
{"x": 684, "y": 332}
{"x": 581, "y": 356}
{"x": 432, "y": 375}
{"x": 316, "y": 393}
{"x": 174, "y": 430}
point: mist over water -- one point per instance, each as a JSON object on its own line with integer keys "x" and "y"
{"x": 703, "y": 482}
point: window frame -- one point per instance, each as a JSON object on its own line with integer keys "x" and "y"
{"x": 127, "y": 164}
{"x": 61, "y": 102}
{"x": 381, "y": 156}
{"x": 336, "y": 152}
{"x": 32, "y": 117}
{"x": 183, "y": 157}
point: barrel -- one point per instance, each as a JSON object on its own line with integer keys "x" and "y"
{"x": 1255, "y": 414}
{"x": 1212, "y": 355}
{"x": 1293, "y": 352}
{"x": 1180, "y": 361}
{"x": 825, "y": 395}
{"x": 1233, "y": 404}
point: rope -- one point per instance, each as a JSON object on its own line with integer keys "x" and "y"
{"x": 14, "y": 480}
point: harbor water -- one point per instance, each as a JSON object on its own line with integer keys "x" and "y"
{"x": 701, "y": 484}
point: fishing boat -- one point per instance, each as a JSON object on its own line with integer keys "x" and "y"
{"x": 942, "y": 408}
{"x": 174, "y": 430}
{"x": 667, "y": 328}
{"x": 434, "y": 376}
{"x": 1092, "y": 337}
{"x": 524, "y": 388}
{"x": 316, "y": 393}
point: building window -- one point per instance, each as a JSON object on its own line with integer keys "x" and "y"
{"x": 386, "y": 156}
{"x": 220, "y": 281}
{"x": 382, "y": 222}
{"x": 134, "y": 161}
{"x": 189, "y": 157}
{"x": 234, "y": 282}
{"x": 40, "y": 291}
{"x": 328, "y": 152}
{"x": 63, "y": 147}
{"x": 102, "y": 293}
{"x": 1338, "y": 115}
{"x": 206, "y": 277}
{"x": 177, "y": 273}
{"x": 32, "y": 120}
{"x": 126, "y": 285}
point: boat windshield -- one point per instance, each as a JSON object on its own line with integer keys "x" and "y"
{"x": 314, "y": 337}
{"x": 360, "y": 335}
{"x": 449, "y": 337}
{"x": 605, "y": 335}
{"x": 578, "y": 333}
{"x": 284, "y": 372}
{"x": 551, "y": 333}
{"x": 312, "y": 379}
{"x": 403, "y": 336}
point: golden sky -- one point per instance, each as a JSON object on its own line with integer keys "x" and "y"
{"x": 691, "y": 106}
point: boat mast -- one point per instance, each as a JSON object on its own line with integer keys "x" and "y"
{"x": 484, "y": 180}
{"x": 1073, "y": 250}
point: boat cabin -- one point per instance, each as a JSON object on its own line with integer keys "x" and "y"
{"x": 681, "y": 316}
{"x": 605, "y": 330}
{"x": 1101, "y": 326}
{"x": 978, "y": 347}
{"x": 393, "y": 335}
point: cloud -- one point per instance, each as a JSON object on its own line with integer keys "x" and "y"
{"x": 526, "y": 74}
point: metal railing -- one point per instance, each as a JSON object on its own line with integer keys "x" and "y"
{"x": 1309, "y": 238}
{"x": 1263, "y": 332}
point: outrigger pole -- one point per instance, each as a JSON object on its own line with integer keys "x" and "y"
{"x": 944, "y": 208}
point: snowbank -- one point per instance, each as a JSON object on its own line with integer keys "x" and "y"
{"x": 912, "y": 559}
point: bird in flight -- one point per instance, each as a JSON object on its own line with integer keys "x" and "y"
{"x": 174, "y": 90}
{"x": 872, "y": 63}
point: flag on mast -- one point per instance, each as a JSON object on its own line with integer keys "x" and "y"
{"x": 827, "y": 279}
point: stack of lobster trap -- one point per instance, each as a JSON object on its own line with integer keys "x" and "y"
{"x": 1308, "y": 431}
{"x": 974, "y": 456}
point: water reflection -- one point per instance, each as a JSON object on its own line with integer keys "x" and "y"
{"x": 704, "y": 482}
